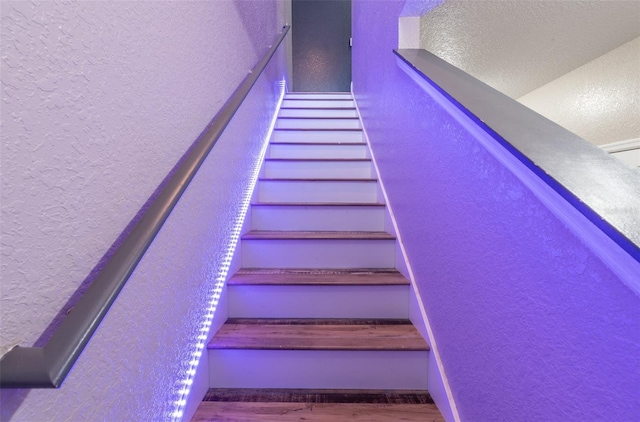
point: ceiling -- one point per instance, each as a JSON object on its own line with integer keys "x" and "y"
{"x": 517, "y": 46}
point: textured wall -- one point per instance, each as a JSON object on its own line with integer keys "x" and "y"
{"x": 530, "y": 322}
{"x": 99, "y": 101}
{"x": 517, "y": 46}
{"x": 599, "y": 101}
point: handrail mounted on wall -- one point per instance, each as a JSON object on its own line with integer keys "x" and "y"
{"x": 47, "y": 367}
{"x": 602, "y": 188}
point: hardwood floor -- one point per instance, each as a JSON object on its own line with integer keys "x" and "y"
{"x": 281, "y": 405}
{"x": 318, "y": 335}
{"x": 350, "y": 277}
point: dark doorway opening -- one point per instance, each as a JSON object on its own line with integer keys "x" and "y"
{"x": 321, "y": 33}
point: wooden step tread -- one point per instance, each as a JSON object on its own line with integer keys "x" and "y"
{"x": 315, "y": 412}
{"x": 289, "y": 235}
{"x": 294, "y": 395}
{"x": 321, "y": 99}
{"x": 315, "y": 160}
{"x": 317, "y": 108}
{"x": 238, "y": 334}
{"x": 339, "y": 179}
{"x": 330, "y": 277}
{"x": 317, "y": 129}
{"x": 318, "y": 143}
{"x": 316, "y": 118}
{"x": 318, "y": 204}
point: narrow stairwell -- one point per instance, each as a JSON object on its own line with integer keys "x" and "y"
{"x": 318, "y": 326}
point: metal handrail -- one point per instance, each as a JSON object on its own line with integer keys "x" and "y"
{"x": 47, "y": 367}
{"x": 602, "y": 188}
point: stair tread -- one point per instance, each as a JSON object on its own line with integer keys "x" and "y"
{"x": 317, "y": 108}
{"x": 316, "y": 412}
{"x": 317, "y": 143}
{"x": 299, "y": 234}
{"x": 350, "y": 277}
{"x": 316, "y": 179}
{"x": 319, "y": 204}
{"x": 319, "y": 159}
{"x": 316, "y": 118}
{"x": 325, "y": 335}
{"x": 314, "y": 395}
{"x": 320, "y": 129}
{"x": 321, "y": 99}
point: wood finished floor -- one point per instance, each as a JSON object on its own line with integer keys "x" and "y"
{"x": 351, "y": 277}
{"x": 272, "y": 234}
{"x": 280, "y": 405}
{"x": 319, "y": 335}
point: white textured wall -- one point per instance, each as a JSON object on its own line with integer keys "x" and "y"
{"x": 517, "y": 46}
{"x": 599, "y": 101}
{"x": 99, "y": 101}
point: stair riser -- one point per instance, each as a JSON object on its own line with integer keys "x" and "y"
{"x": 318, "y": 151}
{"x": 289, "y": 301}
{"x": 333, "y": 136}
{"x": 318, "y": 253}
{"x": 317, "y": 191}
{"x": 284, "y": 123}
{"x": 318, "y": 169}
{"x": 322, "y": 218}
{"x": 392, "y": 370}
{"x": 301, "y": 112}
{"x": 317, "y": 104}
{"x": 318, "y": 96}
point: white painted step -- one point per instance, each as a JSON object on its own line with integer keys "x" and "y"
{"x": 318, "y": 301}
{"x": 318, "y": 95}
{"x": 359, "y": 369}
{"x": 317, "y": 150}
{"x": 318, "y": 250}
{"x": 335, "y": 136}
{"x": 314, "y": 168}
{"x": 321, "y": 217}
{"x": 292, "y": 190}
{"x": 317, "y": 123}
{"x": 319, "y": 112}
{"x": 318, "y": 104}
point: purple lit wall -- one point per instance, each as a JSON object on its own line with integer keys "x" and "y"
{"x": 530, "y": 321}
{"x": 100, "y": 100}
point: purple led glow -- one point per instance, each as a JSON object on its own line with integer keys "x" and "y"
{"x": 531, "y": 309}
{"x": 221, "y": 276}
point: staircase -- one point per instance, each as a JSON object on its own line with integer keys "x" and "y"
{"x": 318, "y": 323}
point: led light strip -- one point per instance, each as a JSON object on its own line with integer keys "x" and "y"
{"x": 214, "y": 294}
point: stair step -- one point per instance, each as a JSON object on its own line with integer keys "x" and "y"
{"x": 318, "y": 96}
{"x": 318, "y": 190}
{"x": 320, "y": 412}
{"x": 317, "y": 405}
{"x": 318, "y": 112}
{"x": 312, "y": 293}
{"x": 336, "y": 136}
{"x": 315, "y": 334}
{"x": 307, "y": 395}
{"x": 330, "y": 276}
{"x": 318, "y": 216}
{"x": 298, "y": 353}
{"x": 303, "y": 103}
{"x": 328, "y": 251}
{"x": 332, "y": 235}
{"x": 318, "y": 168}
{"x": 317, "y": 123}
{"x": 317, "y": 150}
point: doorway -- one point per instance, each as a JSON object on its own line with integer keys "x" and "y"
{"x": 321, "y": 34}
